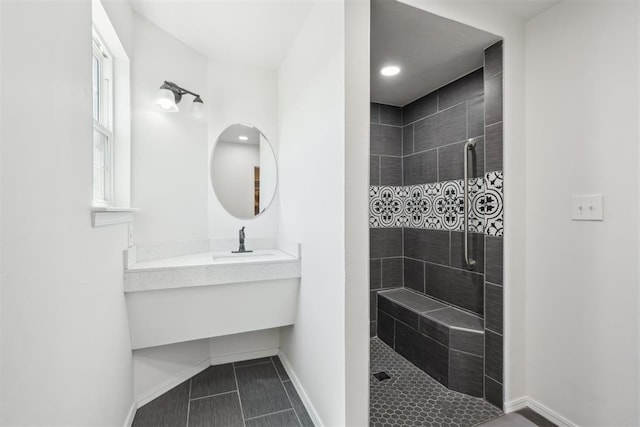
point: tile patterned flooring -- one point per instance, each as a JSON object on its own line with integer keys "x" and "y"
{"x": 253, "y": 393}
{"x": 413, "y": 398}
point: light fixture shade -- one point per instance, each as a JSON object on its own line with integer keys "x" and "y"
{"x": 197, "y": 108}
{"x": 166, "y": 100}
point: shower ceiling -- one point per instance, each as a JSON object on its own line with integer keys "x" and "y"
{"x": 432, "y": 51}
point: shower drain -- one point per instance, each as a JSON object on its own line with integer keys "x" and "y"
{"x": 381, "y": 376}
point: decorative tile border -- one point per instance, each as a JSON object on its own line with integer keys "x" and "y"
{"x": 439, "y": 206}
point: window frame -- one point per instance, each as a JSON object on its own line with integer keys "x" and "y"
{"x": 104, "y": 123}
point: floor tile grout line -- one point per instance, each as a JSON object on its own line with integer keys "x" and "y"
{"x": 212, "y": 395}
{"x": 189, "y": 401}
{"x": 253, "y": 364}
{"x": 287, "y": 393}
{"x": 272, "y": 413}
{"x": 235, "y": 377}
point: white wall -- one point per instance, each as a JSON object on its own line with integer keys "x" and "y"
{"x": 241, "y": 94}
{"x": 485, "y": 16}
{"x": 357, "y": 116}
{"x": 312, "y": 189}
{"x": 169, "y": 150}
{"x": 582, "y": 277}
{"x": 66, "y": 357}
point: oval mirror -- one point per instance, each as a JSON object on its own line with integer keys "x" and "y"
{"x": 243, "y": 171}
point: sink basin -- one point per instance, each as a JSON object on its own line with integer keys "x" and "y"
{"x": 218, "y": 257}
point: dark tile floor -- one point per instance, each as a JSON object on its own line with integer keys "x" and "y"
{"x": 413, "y": 398}
{"x": 253, "y": 393}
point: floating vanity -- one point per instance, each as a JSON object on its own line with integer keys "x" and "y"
{"x": 211, "y": 293}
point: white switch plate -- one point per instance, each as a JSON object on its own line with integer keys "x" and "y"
{"x": 586, "y": 207}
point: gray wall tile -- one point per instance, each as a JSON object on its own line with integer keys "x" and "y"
{"x": 476, "y": 250}
{"x": 398, "y": 312}
{"x": 298, "y": 406}
{"x": 420, "y": 108}
{"x": 434, "y": 330}
{"x": 373, "y": 326}
{"x": 467, "y": 87}
{"x": 414, "y": 274}
{"x": 375, "y": 274}
{"x": 386, "y": 140}
{"x": 392, "y": 272}
{"x": 281, "y": 419}
{"x": 407, "y": 140}
{"x": 385, "y": 242}
{"x": 213, "y": 380}
{"x": 493, "y": 59}
{"x": 493, "y": 354}
{"x": 493, "y": 99}
{"x": 457, "y": 287}
{"x": 425, "y": 133}
{"x": 373, "y": 305}
{"x": 434, "y": 359}
{"x": 390, "y": 115}
{"x": 386, "y": 328}
{"x": 374, "y": 170}
{"x": 475, "y": 116}
{"x": 451, "y": 161}
{"x": 427, "y": 245}
{"x": 493, "y": 305}
{"x": 375, "y": 113}
{"x": 261, "y": 391}
{"x": 493, "y": 392}
{"x": 421, "y": 168}
{"x": 465, "y": 373}
{"x": 493, "y": 147}
{"x": 494, "y": 259}
{"x": 467, "y": 341}
{"x": 442, "y": 128}
{"x": 390, "y": 170}
{"x": 452, "y": 125}
{"x": 222, "y": 410}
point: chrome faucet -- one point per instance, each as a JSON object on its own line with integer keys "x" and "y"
{"x": 241, "y": 248}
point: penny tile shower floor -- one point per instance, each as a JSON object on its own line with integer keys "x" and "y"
{"x": 254, "y": 393}
{"x": 413, "y": 398}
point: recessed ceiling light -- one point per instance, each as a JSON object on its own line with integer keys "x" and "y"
{"x": 243, "y": 138}
{"x": 391, "y": 70}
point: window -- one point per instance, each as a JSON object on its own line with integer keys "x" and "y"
{"x": 103, "y": 141}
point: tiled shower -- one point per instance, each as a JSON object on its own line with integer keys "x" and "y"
{"x": 416, "y": 230}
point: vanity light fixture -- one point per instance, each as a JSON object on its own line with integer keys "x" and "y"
{"x": 243, "y": 138}
{"x": 390, "y": 70}
{"x": 170, "y": 95}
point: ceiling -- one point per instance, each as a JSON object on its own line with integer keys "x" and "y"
{"x": 247, "y": 32}
{"x": 431, "y": 51}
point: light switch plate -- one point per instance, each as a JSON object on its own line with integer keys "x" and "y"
{"x": 586, "y": 207}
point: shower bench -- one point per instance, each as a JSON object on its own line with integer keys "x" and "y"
{"x": 444, "y": 342}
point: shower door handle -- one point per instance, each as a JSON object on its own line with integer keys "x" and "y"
{"x": 468, "y": 146}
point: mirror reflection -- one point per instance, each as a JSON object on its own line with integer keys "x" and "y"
{"x": 244, "y": 173}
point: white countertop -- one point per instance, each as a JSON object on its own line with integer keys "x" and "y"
{"x": 211, "y": 268}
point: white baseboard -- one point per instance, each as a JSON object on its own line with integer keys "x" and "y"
{"x": 515, "y": 404}
{"x": 132, "y": 413}
{"x": 239, "y": 357}
{"x": 525, "y": 401}
{"x": 168, "y": 385}
{"x": 301, "y": 392}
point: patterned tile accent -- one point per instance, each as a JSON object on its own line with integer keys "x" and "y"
{"x": 439, "y": 206}
{"x": 413, "y": 398}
